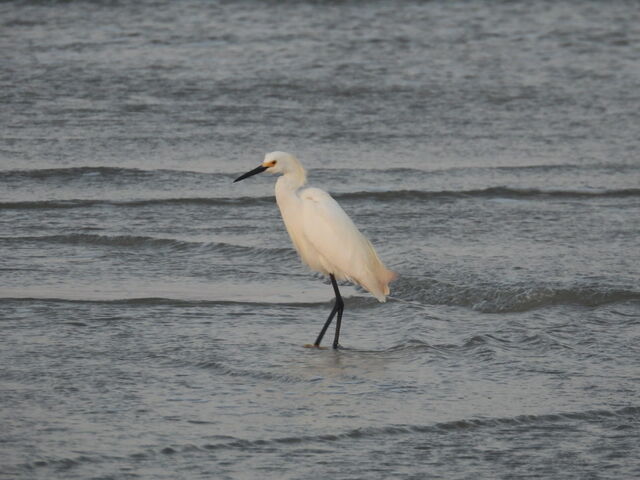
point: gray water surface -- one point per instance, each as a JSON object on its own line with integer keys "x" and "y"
{"x": 153, "y": 314}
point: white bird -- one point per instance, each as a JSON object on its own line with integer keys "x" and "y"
{"x": 323, "y": 234}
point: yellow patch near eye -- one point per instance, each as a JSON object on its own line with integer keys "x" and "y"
{"x": 269, "y": 164}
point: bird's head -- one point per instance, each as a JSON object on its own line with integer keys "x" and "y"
{"x": 282, "y": 163}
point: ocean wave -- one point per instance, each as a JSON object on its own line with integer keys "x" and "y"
{"x": 490, "y": 192}
{"x": 504, "y": 299}
{"x": 158, "y": 246}
{"x": 382, "y": 196}
{"x": 484, "y": 346}
{"x": 461, "y": 425}
{"x": 156, "y": 301}
{"x": 104, "y": 240}
{"x": 486, "y": 300}
{"x": 626, "y": 415}
{"x": 138, "y": 241}
{"x": 110, "y": 173}
{"x": 89, "y": 203}
{"x": 69, "y": 173}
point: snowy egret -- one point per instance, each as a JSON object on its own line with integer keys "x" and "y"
{"x": 323, "y": 234}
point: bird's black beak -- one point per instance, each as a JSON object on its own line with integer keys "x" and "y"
{"x": 255, "y": 171}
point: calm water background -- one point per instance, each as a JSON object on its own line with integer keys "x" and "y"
{"x": 152, "y": 314}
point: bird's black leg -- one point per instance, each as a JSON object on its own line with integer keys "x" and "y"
{"x": 338, "y": 307}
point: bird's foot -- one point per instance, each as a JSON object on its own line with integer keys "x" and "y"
{"x": 313, "y": 345}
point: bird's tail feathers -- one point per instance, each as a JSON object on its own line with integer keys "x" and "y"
{"x": 378, "y": 276}
{"x": 384, "y": 277}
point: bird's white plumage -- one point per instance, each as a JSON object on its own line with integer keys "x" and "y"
{"x": 323, "y": 234}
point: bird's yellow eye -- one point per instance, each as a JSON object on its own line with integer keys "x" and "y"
{"x": 270, "y": 164}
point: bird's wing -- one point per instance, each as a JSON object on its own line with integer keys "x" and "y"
{"x": 344, "y": 251}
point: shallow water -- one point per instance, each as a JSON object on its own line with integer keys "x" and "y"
{"x": 153, "y": 313}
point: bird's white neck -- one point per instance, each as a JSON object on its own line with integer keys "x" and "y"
{"x": 294, "y": 178}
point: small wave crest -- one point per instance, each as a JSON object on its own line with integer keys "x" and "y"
{"x": 104, "y": 240}
{"x": 89, "y": 203}
{"x": 503, "y": 299}
{"x": 386, "y": 196}
{"x": 230, "y": 443}
{"x": 438, "y": 428}
{"x": 490, "y": 192}
{"x": 137, "y": 241}
{"x": 153, "y": 302}
{"x": 110, "y": 173}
